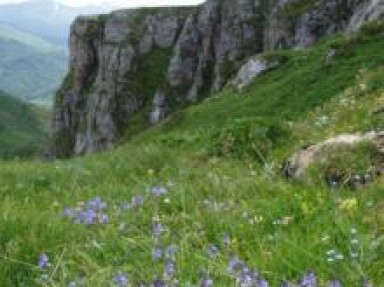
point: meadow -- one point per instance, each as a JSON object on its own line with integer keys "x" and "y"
{"x": 199, "y": 201}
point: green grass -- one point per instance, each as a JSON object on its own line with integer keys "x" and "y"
{"x": 280, "y": 228}
{"x": 23, "y": 128}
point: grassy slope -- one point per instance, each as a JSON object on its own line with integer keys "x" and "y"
{"x": 30, "y": 68}
{"x": 210, "y": 196}
{"x": 23, "y": 128}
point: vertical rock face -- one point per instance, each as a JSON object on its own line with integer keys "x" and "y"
{"x": 139, "y": 65}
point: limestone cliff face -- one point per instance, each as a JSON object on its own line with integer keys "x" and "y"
{"x": 133, "y": 67}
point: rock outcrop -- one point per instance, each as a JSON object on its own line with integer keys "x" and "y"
{"x": 297, "y": 164}
{"x": 137, "y": 66}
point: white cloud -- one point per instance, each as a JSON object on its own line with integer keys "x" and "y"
{"x": 119, "y": 3}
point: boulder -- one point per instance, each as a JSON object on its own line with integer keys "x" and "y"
{"x": 296, "y": 165}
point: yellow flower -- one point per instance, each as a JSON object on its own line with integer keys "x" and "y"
{"x": 349, "y": 204}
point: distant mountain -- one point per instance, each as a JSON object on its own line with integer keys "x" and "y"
{"x": 23, "y": 127}
{"x": 33, "y": 47}
{"x": 47, "y": 19}
{"x": 30, "y": 68}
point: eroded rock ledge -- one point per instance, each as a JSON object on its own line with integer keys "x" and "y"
{"x": 136, "y": 66}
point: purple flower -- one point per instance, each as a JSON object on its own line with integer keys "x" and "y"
{"x": 157, "y": 253}
{"x": 157, "y": 229}
{"x": 68, "y": 212}
{"x": 137, "y": 200}
{"x": 285, "y": 284}
{"x": 308, "y": 280}
{"x": 96, "y": 204}
{"x": 334, "y": 283}
{"x": 247, "y": 278}
{"x": 120, "y": 279}
{"x": 71, "y": 284}
{"x": 169, "y": 270}
{"x": 233, "y": 264}
{"x": 212, "y": 251}
{"x": 158, "y": 191}
{"x": 170, "y": 251}
{"x": 43, "y": 261}
{"x": 206, "y": 281}
{"x": 159, "y": 283}
{"x": 261, "y": 283}
{"x": 86, "y": 217}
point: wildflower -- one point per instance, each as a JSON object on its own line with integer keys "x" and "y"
{"x": 120, "y": 279}
{"x": 157, "y": 253}
{"x": 170, "y": 251}
{"x": 349, "y": 204}
{"x": 96, "y": 204}
{"x": 308, "y": 280}
{"x": 68, "y": 212}
{"x": 137, "y": 200}
{"x": 86, "y": 217}
{"x": 159, "y": 283}
{"x": 158, "y": 191}
{"x": 261, "y": 283}
{"x": 169, "y": 270}
{"x": 157, "y": 229}
{"x": 206, "y": 281}
{"x": 212, "y": 251}
{"x": 43, "y": 261}
{"x": 71, "y": 284}
{"x": 366, "y": 283}
{"x": 233, "y": 264}
{"x": 334, "y": 283}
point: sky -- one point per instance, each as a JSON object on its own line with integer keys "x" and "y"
{"x": 118, "y": 3}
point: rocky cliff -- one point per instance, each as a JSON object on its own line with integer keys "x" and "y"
{"x": 131, "y": 68}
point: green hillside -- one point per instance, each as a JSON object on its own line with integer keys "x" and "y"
{"x": 10, "y": 33}
{"x": 30, "y": 68}
{"x": 23, "y": 128}
{"x": 206, "y": 184}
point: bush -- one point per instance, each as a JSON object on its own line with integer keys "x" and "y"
{"x": 247, "y": 139}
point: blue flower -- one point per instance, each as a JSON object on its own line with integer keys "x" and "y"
{"x": 170, "y": 251}
{"x": 159, "y": 283}
{"x": 169, "y": 270}
{"x": 157, "y": 253}
{"x": 43, "y": 261}
{"x": 68, "y": 212}
{"x": 137, "y": 200}
{"x": 158, "y": 191}
{"x": 212, "y": 251}
{"x": 96, "y": 204}
{"x": 206, "y": 281}
{"x": 233, "y": 264}
{"x": 334, "y": 283}
{"x": 308, "y": 280}
{"x": 120, "y": 279}
{"x": 157, "y": 229}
